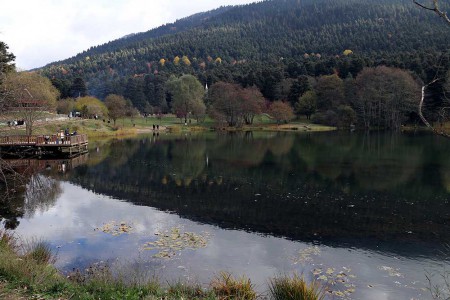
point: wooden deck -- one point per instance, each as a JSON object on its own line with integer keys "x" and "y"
{"x": 43, "y": 144}
{"x": 33, "y": 165}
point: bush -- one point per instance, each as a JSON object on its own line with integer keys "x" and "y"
{"x": 295, "y": 288}
{"x": 227, "y": 287}
{"x": 328, "y": 117}
{"x": 40, "y": 252}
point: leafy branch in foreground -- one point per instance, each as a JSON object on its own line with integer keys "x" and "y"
{"x": 434, "y": 7}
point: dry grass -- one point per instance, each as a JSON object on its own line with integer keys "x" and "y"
{"x": 225, "y": 286}
{"x": 295, "y": 288}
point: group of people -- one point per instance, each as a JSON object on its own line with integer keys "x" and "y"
{"x": 16, "y": 123}
{"x": 155, "y": 126}
{"x": 62, "y": 135}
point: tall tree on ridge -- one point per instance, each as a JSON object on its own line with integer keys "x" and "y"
{"x": 78, "y": 88}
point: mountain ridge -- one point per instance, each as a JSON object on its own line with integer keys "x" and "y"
{"x": 300, "y": 37}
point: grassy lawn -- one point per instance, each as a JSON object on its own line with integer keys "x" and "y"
{"x": 132, "y": 126}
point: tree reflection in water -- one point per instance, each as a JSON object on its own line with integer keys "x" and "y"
{"x": 28, "y": 186}
{"x": 305, "y": 187}
{"x": 40, "y": 194}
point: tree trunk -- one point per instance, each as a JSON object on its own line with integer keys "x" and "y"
{"x": 424, "y": 120}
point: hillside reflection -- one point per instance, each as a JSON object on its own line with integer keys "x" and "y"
{"x": 329, "y": 187}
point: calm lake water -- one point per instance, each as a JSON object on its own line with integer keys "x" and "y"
{"x": 366, "y": 214}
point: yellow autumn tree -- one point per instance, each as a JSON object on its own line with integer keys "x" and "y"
{"x": 162, "y": 62}
{"x": 90, "y": 106}
{"x": 186, "y": 60}
{"x": 176, "y": 60}
{"x": 348, "y": 52}
{"x": 218, "y": 60}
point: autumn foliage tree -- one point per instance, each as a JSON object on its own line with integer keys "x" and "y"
{"x": 252, "y": 103}
{"x": 234, "y": 104}
{"x": 90, "y": 107}
{"x": 226, "y": 104}
{"x": 29, "y": 96}
{"x": 281, "y": 112}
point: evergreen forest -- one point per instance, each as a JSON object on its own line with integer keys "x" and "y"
{"x": 285, "y": 48}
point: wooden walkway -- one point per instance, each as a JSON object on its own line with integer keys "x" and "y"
{"x": 44, "y": 144}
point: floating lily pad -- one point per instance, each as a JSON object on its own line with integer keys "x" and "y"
{"x": 115, "y": 228}
{"x": 391, "y": 271}
{"x": 338, "y": 283}
{"x": 172, "y": 241}
{"x": 306, "y": 255}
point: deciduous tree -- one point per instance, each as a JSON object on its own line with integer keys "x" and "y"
{"x": 29, "y": 97}
{"x": 307, "y": 104}
{"x": 252, "y": 103}
{"x": 385, "y": 96}
{"x": 346, "y": 116}
{"x": 226, "y": 103}
{"x": 65, "y": 106}
{"x": 281, "y": 112}
{"x": 116, "y": 106}
{"x": 186, "y": 92}
{"x": 330, "y": 92}
{"x": 90, "y": 107}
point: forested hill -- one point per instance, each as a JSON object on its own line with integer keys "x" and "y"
{"x": 300, "y": 36}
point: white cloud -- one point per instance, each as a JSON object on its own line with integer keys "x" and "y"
{"x": 40, "y": 32}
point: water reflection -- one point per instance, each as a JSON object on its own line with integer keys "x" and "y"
{"x": 305, "y": 187}
{"x": 372, "y": 203}
{"x": 27, "y": 186}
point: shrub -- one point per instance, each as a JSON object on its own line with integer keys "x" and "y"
{"x": 295, "y": 288}
{"x": 40, "y": 252}
{"x": 328, "y": 117}
{"x": 227, "y": 287}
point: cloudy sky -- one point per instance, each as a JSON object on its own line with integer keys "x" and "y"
{"x": 43, "y": 31}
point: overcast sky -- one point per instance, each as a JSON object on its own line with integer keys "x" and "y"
{"x": 42, "y": 31}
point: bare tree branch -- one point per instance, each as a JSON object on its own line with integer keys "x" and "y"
{"x": 435, "y": 8}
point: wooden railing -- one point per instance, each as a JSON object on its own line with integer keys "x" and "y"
{"x": 44, "y": 140}
{"x": 18, "y": 140}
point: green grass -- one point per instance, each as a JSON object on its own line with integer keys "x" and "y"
{"x": 133, "y": 126}
{"x": 295, "y": 288}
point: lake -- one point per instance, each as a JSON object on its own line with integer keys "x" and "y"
{"x": 368, "y": 215}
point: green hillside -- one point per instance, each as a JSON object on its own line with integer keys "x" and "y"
{"x": 263, "y": 44}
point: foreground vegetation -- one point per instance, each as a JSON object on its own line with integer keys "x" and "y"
{"x": 26, "y": 270}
